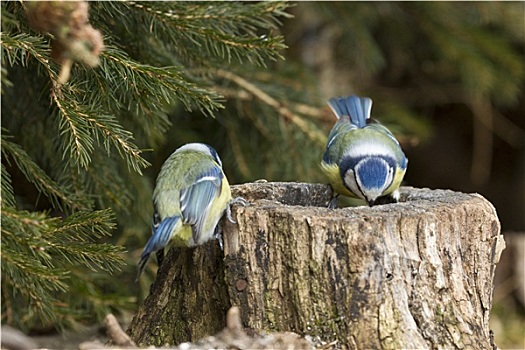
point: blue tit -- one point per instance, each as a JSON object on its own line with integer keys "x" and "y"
{"x": 362, "y": 159}
{"x": 190, "y": 197}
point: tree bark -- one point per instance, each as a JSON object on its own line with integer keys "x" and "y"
{"x": 417, "y": 274}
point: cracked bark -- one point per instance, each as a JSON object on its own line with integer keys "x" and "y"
{"x": 417, "y": 274}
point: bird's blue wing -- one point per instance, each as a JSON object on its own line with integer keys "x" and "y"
{"x": 341, "y": 128}
{"x": 196, "y": 200}
{"x": 158, "y": 240}
{"x": 383, "y": 129}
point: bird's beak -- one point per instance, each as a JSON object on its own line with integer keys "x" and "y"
{"x": 371, "y": 203}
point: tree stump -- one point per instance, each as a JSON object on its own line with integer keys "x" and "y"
{"x": 416, "y": 274}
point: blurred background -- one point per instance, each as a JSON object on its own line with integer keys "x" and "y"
{"x": 447, "y": 78}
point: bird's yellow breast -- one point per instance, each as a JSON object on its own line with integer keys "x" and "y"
{"x": 218, "y": 206}
{"x": 398, "y": 177}
{"x": 182, "y": 235}
{"x": 333, "y": 175}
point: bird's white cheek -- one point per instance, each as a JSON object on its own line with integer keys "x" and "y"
{"x": 389, "y": 179}
{"x": 352, "y": 185}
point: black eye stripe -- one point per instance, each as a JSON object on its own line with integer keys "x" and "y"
{"x": 358, "y": 186}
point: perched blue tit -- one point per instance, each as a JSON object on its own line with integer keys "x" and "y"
{"x": 190, "y": 197}
{"x": 363, "y": 159}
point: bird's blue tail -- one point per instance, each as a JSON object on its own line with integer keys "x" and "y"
{"x": 357, "y": 108}
{"x": 160, "y": 238}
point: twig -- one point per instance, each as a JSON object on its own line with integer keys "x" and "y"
{"x": 284, "y": 111}
{"x": 232, "y": 336}
{"x": 13, "y": 339}
{"x": 65, "y": 71}
{"x": 233, "y": 319}
{"x": 116, "y": 334}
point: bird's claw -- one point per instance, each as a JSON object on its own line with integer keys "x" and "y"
{"x": 236, "y": 200}
{"x": 333, "y": 203}
{"x": 218, "y": 235}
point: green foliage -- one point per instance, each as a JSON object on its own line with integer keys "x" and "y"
{"x": 453, "y": 43}
{"x": 73, "y": 153}
{"x": 195, "y": 33}
{"x": 34, "y": 174}
{"x": 419, "y": 55}
{"x": 40, "y": 257}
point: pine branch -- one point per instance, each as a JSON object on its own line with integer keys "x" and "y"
{"x": 21, "y": 238}
{"x": 83, "y": 126}
{"x": 77, "y": 121}
{"x": 20, "y": 48}
{"x": 50, "y": 239}
{"x": 225, "y": 30}
{"x": 40, "y": 254}
{"x": 34, "y": 174}
{"x": 79, "y": 141}
{"x": 4, "y": 81}
{"x": 28, "y": 277}
{"x": 71, "y": 241}
{"x": 8, "y": 196}
{"x": 153, "y": 88}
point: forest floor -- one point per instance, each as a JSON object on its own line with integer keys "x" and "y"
{"x": 70, "y": 339}
{"x": 507, "y": 322}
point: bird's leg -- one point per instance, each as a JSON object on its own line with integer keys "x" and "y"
{"x": 160, "y": 256}
{"x": 218, "y": 235}
{"x": 333, "y": 202}
{"x": 236, "y": 200}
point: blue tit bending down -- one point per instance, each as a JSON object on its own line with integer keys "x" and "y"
{"x": 363, "y": 159}
{"x": 190, "y": 197}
